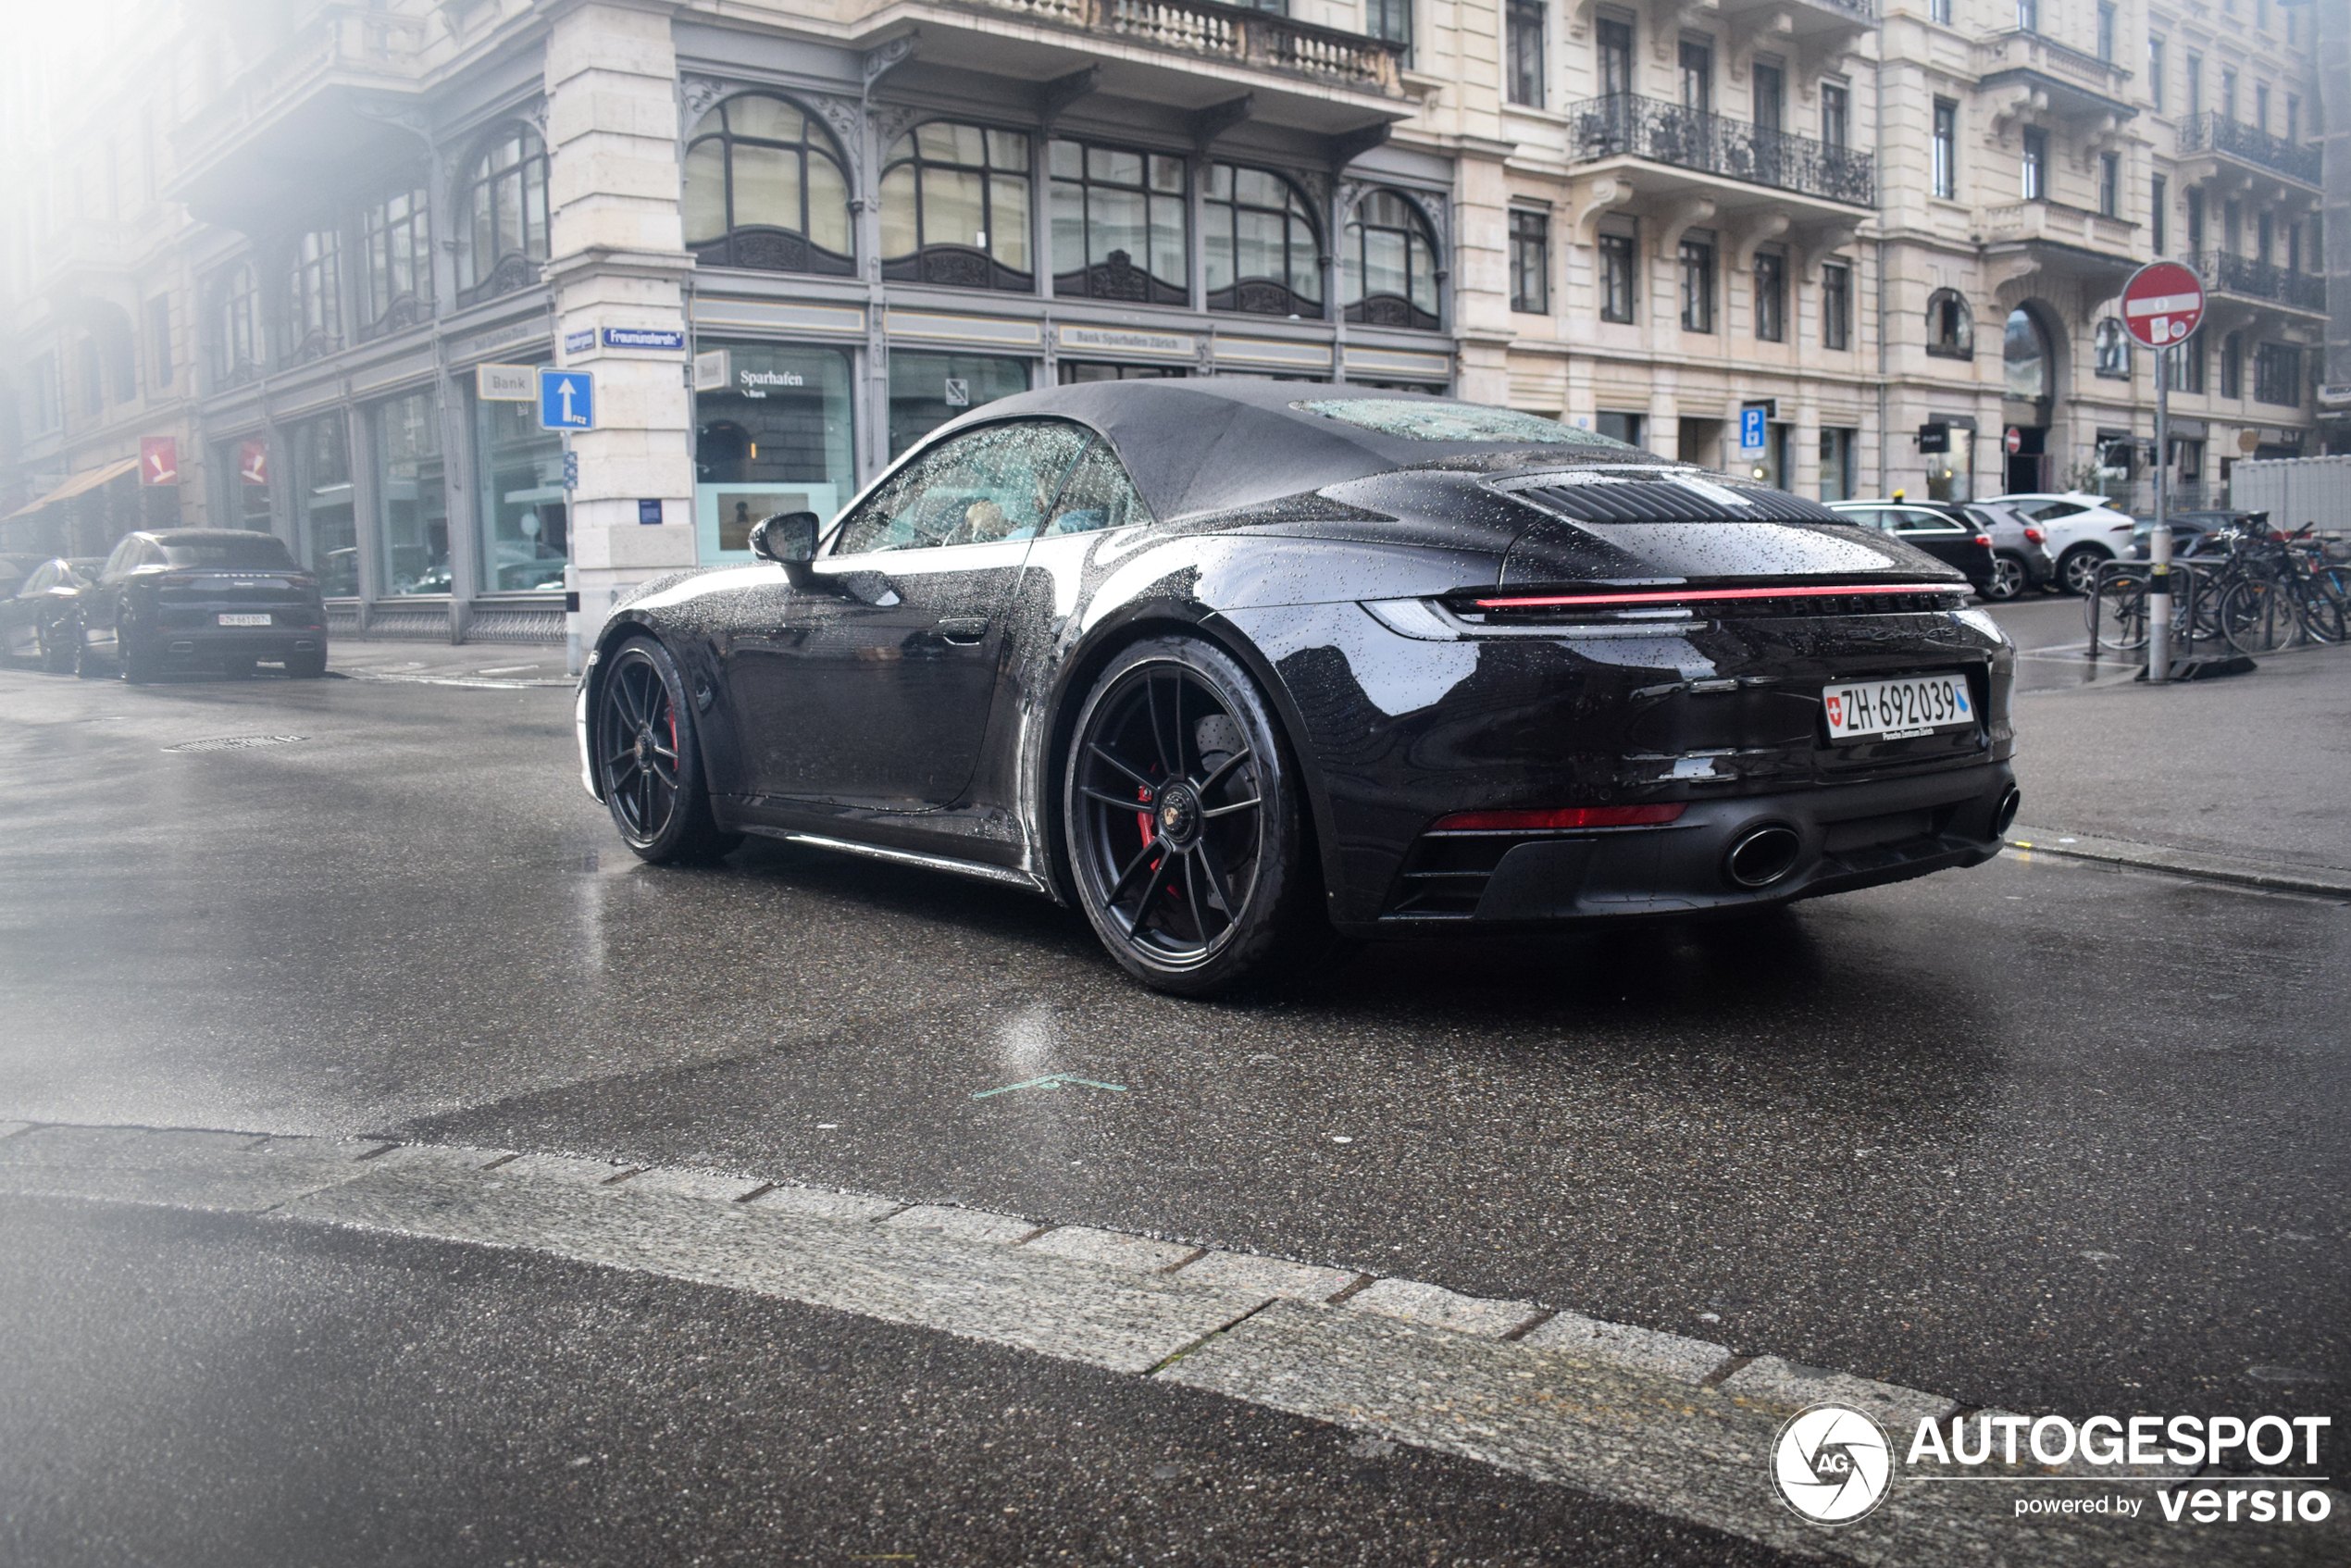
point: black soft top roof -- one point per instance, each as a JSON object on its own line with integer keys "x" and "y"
{"x": 1209, "y": 444}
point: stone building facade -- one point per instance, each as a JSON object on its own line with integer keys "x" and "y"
{"x": 786, "y": 239}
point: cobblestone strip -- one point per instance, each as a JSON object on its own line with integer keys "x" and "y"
{"x": 1676, "y": 1425}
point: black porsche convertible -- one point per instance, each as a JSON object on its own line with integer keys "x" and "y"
{"x": 1231, "y": 666}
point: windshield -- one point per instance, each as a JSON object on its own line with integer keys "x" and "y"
{"x": 1415, "y": 421}
{"x": 262, "y": 552}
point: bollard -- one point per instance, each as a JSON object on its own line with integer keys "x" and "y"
{"x": 2159, "y": 600}
{"x": 571, "y": 620}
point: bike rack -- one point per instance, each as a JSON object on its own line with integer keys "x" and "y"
{"x": 2187, "y": 584}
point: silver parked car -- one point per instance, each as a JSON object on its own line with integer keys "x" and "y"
{"x": 2020, "y": 562}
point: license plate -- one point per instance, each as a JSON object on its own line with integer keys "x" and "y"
{"x": 1896, "y": 709}
{"x": 245, "y": 620}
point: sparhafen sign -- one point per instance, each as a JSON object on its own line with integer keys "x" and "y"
{"x": 1831, "y": 1465}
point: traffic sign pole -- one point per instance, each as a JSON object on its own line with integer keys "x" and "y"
{"x": 2163, "y": 306}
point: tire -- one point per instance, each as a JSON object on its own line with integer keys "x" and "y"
{"x": 2255, "y": 617}
{"x": 2124, "y": 604}
{"x": 2009, "y": 578}
{"x": 2320, "y": 611}
{"x": 2078, "y": 568}
{"x": 55, "y": 645}
{"x": 649, "y": 759}
{"x": 133, "y": 658}
{"x": 306, "y": 666}
{"x": 86, "y": 664}
{"x": 1176, "y": 749}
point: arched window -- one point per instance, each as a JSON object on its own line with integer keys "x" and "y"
{"x": 503, "y": 216}
{"x": 2024, "y": 354}
{"x": 1388, "y": 261}
{"x": 238, "y": 352}
{"x": 1950, "y": 325}
{"x": 764, "y": 188}
{"x": 1120, "y": 225}
{"x": 2113, "y": 346}
{"x": 1264, "y": 245}
{"x": 313, "y": 296}
{"x": 395, "y": 236}
{"x": 954, "y": 208}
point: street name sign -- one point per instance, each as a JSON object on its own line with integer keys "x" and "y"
{"x": 2162, "y": 303}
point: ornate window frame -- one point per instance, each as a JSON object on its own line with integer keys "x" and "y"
{"x": 512, "y": 156}
{"x": 1386, "y": 209}
{"x": 1006, "y": 159}
{"x": 714, "y": 149}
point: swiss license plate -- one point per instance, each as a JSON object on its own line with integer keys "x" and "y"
{"x": 245, "y": 620}
{"x": 1896, "y": 709}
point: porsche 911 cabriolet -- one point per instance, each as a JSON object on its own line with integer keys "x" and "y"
{"x": 1231, "y": 667}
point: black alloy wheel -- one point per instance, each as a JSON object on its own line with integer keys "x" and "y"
{"x": 134, "y": 654}
{"x": 648, "y": 763}
{"x": 1186, "y": 821}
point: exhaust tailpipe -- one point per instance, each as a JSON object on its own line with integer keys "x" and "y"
{"x": 1763, "y": 856}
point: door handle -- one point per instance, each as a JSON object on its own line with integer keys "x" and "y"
{"x": 966, "y": 630}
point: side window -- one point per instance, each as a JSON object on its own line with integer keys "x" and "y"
{"x": 40, "y": 581}
{"x": 2049, "y": 511}
{"x": 1915, "y": 521}
{"x": 993, "y": 483}
{"x": 125, "y": 556}
{"x": 1099, "y": 495}
{"x": 1863, "y": 517}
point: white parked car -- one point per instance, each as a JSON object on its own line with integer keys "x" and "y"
{"x": 2084, "y": 531}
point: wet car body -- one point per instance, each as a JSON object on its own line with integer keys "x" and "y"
{"x": 188, "y": 598}
{"x": 1422, "y": 616}
{"x": 37, "y": 621}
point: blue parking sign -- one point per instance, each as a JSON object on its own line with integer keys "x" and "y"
{"x": 1751, "y": 430}
{"x": 567, "y": 400}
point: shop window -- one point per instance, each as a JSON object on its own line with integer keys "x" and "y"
{"x": 503, "y": 216}
{"x": 2112, "y": 348}
{"x": 237, "y": 350}
{"x": 1075, "y": 372}
{"x": 1530, "y": 263}
{"x": 927, "y": 389}
{"x": 1770, "y": 297}
{"x": 1837, "y": 305}
{"x": 326, "y": 524}
{"x": 524, "y": 516}
{"x": 1119, "y": 225}
{"x": 774, "y": 432}
{"x": 313, "y": 296}
{"x": 1620, "y": 287}
{"x": 243, "y": 465}
{"x": 764, "y": 188}
{"x": 1950, "y": 325}
{"x": 1262, "y": 247}
{"x": 954, "y": 208}
{"x": 1387, "y": 264}
{"x": 1698, "y": 285}
{"x": 395, "y": 236}
{"x": 1837, "y": 443}
{"x": 412, "y": 497}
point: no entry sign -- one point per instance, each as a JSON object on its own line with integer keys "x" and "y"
{"x": 2162, "y": 303}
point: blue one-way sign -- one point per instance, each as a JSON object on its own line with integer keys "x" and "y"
{"x": 567, "y": 400}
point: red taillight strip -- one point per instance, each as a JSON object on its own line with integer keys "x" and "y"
{"x": 1684, "y": 596}
{"x": 1561, "y": 816}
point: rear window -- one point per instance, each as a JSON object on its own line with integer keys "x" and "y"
{"x": 1414, "y": 421}
{"x": 262, "y": 550}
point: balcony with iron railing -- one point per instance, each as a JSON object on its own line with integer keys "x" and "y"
{"x": 2218, "y": 134}
{"x": 338, "y": 43}
{"x": 1626, "y": 125}
{"x": 2242, "y": 277}
{"x": 1232, "y": 34}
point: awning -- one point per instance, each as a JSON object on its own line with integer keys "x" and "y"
{"x": 78, "y": 484}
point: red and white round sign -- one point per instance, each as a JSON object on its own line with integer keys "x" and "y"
{"x": 2162, "y": 303}
{"x": 2013, "y": 440}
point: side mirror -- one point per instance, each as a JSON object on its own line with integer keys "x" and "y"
{"x": 788, "y": 539}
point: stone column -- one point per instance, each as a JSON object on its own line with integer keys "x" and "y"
{"x": 617, "y": 258}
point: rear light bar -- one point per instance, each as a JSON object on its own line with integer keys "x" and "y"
{"x": 1701, "y": 595}
{"x": 1561, "y": 816}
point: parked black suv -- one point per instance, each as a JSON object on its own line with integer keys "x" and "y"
{"x": 1943, "y": 528}
{"x": 179, "y": 598}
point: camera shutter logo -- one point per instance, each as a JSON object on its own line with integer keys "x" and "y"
{"x": 1831, "y": 1465}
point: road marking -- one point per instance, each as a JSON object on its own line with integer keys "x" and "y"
{"x": 1608, "y": 1409}
{"x": 1050, "y": 1080}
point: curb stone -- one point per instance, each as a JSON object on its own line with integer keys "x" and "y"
{"x": 2276, "y": 877}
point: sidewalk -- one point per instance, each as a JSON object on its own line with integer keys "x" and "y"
{"x": 470, "y": 664}
{"x": 2249, "y": 776}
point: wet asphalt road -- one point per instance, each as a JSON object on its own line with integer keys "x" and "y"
{"x": 2039, "y": 1135}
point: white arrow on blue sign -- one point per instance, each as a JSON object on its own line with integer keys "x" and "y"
{"x": 567, "y": 400}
